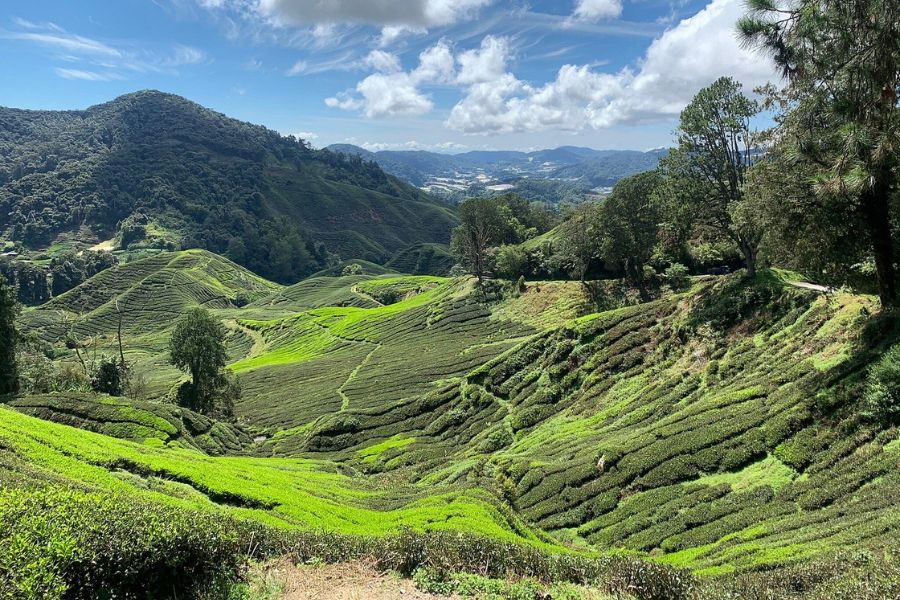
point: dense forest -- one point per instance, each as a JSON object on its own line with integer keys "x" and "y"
{"x": 178, "y": 175}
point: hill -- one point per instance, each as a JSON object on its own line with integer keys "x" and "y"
{"x": 718, "y": 429}
{"x": 156, "y": 169}
{"x": 605, "y": 170}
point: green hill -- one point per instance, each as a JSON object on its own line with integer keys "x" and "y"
{"x": 719, "y": 429}
{"x": 176, "y": 173}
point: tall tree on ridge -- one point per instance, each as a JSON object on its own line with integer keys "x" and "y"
{"x": 707, "y": 170}
{"x": 842, "y": 62}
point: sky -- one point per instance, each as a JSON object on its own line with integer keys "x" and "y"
{"x": 440, "y": 75}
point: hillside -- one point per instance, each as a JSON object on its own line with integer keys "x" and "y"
{"x": 177, "y": 174}
{"x": 716, "y": 430}
{"x": 605, "y": 170}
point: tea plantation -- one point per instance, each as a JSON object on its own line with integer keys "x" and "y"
{"x": 712, "y": 443}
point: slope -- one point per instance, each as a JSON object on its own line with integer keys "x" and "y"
{"x": 719, "y": 429}
{"x": 267, "y": 201}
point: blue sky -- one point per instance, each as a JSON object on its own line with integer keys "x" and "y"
{"x": 445, "y": 75}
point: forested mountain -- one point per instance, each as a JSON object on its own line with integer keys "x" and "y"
{"x": 154, "y": 165}
{"x": 591, "y": 167}
{"x": 606, "y": 170}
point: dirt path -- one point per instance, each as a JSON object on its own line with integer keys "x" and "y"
{"x": 811, "y": 286}
{"x": 354, "y": 289}
{"x": 345, "y": 399}
{"x": 259, "y": 343}
{"x": 348, "y": 581}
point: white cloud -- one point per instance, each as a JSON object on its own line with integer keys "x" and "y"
{"x": 676, "y": 65}
{"x": 345, "y": 61}
{"x": 597, "y": 10}
{"x": 184, "y": 55}
{"x": 485, "y": 64}
{"x": 101, "y": 60}
{"x": 392, "y": 33}
{"x": 392, "y": 92}
{"x": 56, "y": 38}
{"x": 416, "y": 13}
{"x": 85, "y": 75}
{"x": 393, "y": 95}
{"x": 344, "y": 101}
{"x": 410, "y": 145}
{"x": 298, "y": 68}
{"x": 436, "y": 64}
{"x": 382, "y": 61}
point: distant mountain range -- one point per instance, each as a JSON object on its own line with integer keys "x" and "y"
{"x": 588, "y": 167}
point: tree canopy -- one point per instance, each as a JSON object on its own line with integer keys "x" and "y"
{"x": 197, "y": 346}
{"x": 9, "y": 337}
{"x": 840, "y": 122}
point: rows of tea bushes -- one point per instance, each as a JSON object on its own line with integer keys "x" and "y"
{"x": 153, "y": 423}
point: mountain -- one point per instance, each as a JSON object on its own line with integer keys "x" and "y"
{"x": 434, "y": 171}
{"x": 157, "y": 169}
{"x": 605, "y": 170}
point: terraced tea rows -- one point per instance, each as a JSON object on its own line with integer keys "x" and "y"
{"x": 281, "y": 492}
{"x": 716, "y": 429}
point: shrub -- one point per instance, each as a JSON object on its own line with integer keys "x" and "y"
{"x": 497, "y": 439}
{"x": 881, "y": 401}
{"x": 677, "y": 277}
{"x": 352, "y": 269}
{"x": 108, "y": 377}
{"x": 511, "y": 262}
{"x": 60, "y": 543}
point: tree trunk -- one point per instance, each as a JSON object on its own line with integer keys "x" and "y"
{"x": 875, "y": 205}
{"x": 749, "y": 253}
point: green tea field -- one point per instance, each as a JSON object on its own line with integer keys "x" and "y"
{"x": 713, "y": 431}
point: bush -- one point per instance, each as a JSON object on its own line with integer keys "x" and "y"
{"x": 511, "y": 262}
{"x": 881, "y": 401}
{"x": 352, "y": 269}
{"x": 108, "y": 378}
{"x": 677, "y": 277}
{"x": 60, "y": 543}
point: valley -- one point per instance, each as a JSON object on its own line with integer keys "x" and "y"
{"x": 695, "y": 437}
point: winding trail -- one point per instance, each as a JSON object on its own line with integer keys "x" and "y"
{"x": 811, "y": 286}
{"x": 259, "y": 342}
{"x": 354, "y": 289}
{"x": 345, "y": 399}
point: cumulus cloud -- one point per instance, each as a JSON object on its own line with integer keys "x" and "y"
{"x": 392, "y": 92}
{"x": 484, "y": 64}
{"x": 597, "y": 10}
{"x": 414, "y": 13}
{"x": 676, "y": 65}
{"x": 391, "y": 33}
